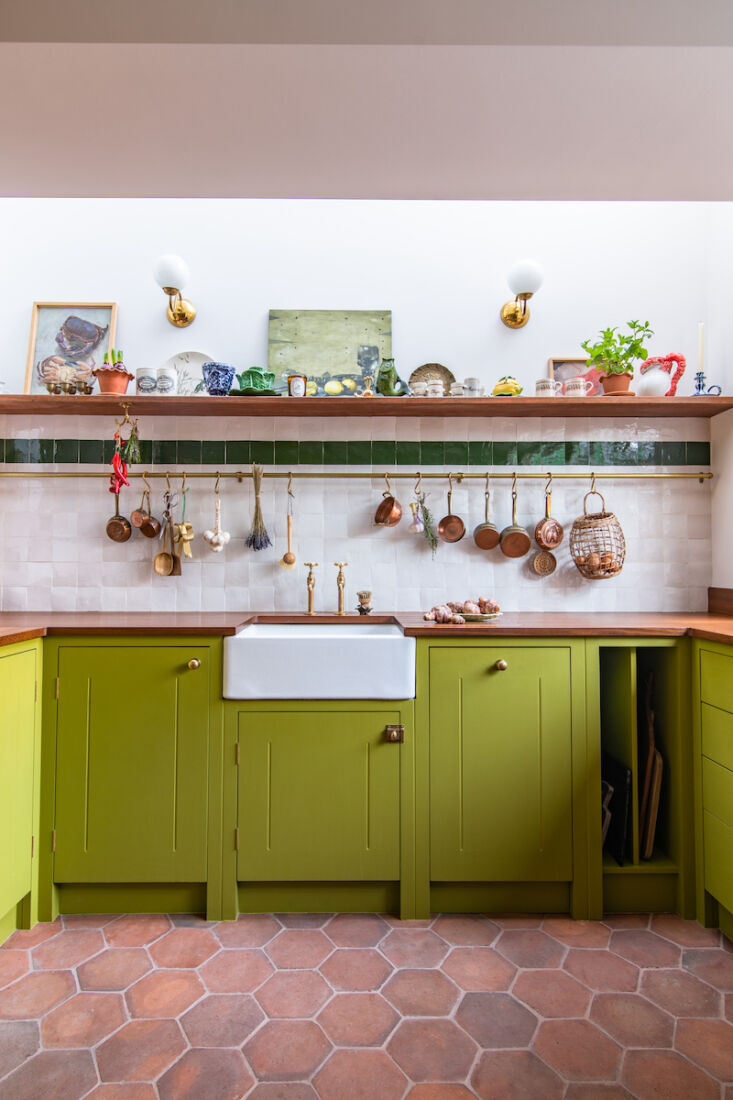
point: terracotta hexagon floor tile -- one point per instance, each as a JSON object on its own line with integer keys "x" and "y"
{"x": 356, "y": 969}
{"x": 516, "y": 920}
{"x": 356, "y": 929}
{"x": 213, "y": 1074}
{"x": 136, "y": 930}
{"x": 67, "y": 950}
{"x": 602, "y": 971}
{"x": 222, "y": 1020}
{"x": 479, "y": 969}
{"x": 398, "y": 922}
{"x": 19, "y": 1040}
{"x": 184, "y": 948}
{"x": 421, "y": 993}
{"x": 13, "y": 964}
{"x": 25, "y": 938}
{"x": 496, "y": 1021}
{"x": 687, "y": 933}
{"x": 552, "y": 993}
{"x": 287, "y": 1050}
{"x": 248, "y": 930}
{"x": 432, "y": 1050}
{"x": 515, "y": 1075}
{"x": 78, "y": 921}
{"x": 577, "y": 1050}
{"x": 83, "y": 1020}
{"x": 163, "y": 994}
{"x": 298, "y": 948}
{"x": 680, "y": 993}
{"x": 656, "y": 1074}
{"x": 303, "y": 920}
{"x": 140, "y": 1051}
{"x": 283, "y": 1090}
{"x": 134, "y": 1090}
{"x": 577, "y": 933}
{"x": 416, "y": 947}
{"x": 714, "y": 966}
{"x": 530, "y": 948}
{"x": 114, "y": 969}
{"x": 636, "y": 921}
{"x": 293, "y": 994}
{"x": 597, "y": 1092}
{"x": 360, "y": 1075}
{"x": 645, "y": 949}
{"x": 727, "y": 1008}
{"x": 466, "y": 930}
{"x": 52, "y": 1075}
{"x": 440, "y": 1092}
{"x": 709, "y": 1044}
{"x": 632, "y": 1020}
{"x": 358, "y": 1019}
{"x": 236, "y": 970}
{"x": 35, "y": 994}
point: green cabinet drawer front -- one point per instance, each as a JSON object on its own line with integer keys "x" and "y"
{"x": 716, "y": 679}
{"x": 500, "y": 765}
{"x": 17, "y": 736}
{"x": 131, "y": 764}
{"x": 717, "y": 791}
{"x": 718, "y": 848}
{"x": 717, "y": 735}
{"x": 319, "y": 796}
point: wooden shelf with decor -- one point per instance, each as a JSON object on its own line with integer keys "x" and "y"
{"x": 477, "y": 407}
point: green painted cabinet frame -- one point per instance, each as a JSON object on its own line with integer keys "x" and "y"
{"x": 20, "y": 745}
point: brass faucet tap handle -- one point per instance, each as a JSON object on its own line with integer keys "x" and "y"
{"x": 340, "y": 564}
{"x": 310, "y": 564}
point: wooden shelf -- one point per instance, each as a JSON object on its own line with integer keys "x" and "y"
{"x": 511, "y": 407}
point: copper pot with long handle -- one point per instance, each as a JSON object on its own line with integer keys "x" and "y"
{"x": 548, "y": 533}
{"x": 515, "y": 540}
{"x": 118, "y": 528}
{"x": 486, "y": 535}
{"x": 389, "y": 511}
{"x": 451, "y": 528}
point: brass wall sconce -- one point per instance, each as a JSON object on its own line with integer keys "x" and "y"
{"x": 524, "y": 279}
{"x": 171, "y": 273}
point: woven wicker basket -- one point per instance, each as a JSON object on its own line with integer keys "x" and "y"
{"x": 597, "y": 543}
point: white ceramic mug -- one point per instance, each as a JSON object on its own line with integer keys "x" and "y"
{"x": 167, "y": 380}
{"x": 436, "y": 389}
{"x": 456, "y": 389}
{"x": 547, "y": 387}
{"x": 578, "y": 387}
{"x": 472, "y": 387}
{"x": 419, "y": 389}
{"x": 145, "y": 380}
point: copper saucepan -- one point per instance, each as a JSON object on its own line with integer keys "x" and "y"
{"x": 389, "y": 512}
{"x": 486, "y": 535}
{"x": 548, "y": 533}
{"x": 118, "y": 528}
{"x": 451, "y": 528}
{"x": 515, "y": 541}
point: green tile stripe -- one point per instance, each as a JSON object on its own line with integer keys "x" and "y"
{"x": 369, "y": 452}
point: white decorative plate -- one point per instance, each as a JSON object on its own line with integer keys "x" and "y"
{"x": 188, "y": 364}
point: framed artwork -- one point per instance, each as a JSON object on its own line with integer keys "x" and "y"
{"x": 67, "y": 341}
{"x": 334, "y": 349}
{"x": 563, "y": 369}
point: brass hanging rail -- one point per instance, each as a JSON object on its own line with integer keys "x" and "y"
{"x": 375, "y": 475}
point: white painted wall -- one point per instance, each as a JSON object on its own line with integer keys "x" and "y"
{"x": 440, "y": 266}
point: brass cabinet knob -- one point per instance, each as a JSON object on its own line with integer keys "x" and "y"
{"x": 194, "y": 663}
{"x": 501, "y": 666}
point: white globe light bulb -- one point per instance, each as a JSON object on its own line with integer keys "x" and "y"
{"x": 525, "y": 277}
{"x": 171, "y": 271}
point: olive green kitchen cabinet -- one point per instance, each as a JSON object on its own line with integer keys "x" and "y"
{"x": 129, "y": 727}
{"x": 713, "y": 713}
{"x": 502, "y": 719}
{"x": 19, "y": 672}
{"x": 323, "y": 800}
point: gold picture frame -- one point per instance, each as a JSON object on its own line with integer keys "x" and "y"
{"x": 67, "y": 340}
{"x": 564, "y": 369}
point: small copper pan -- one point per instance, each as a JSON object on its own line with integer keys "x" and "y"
{"x": 451, "y": 528}
{"x": 389, "y": 512}
{"x": 118, "y": 528}
{"x": 486, "y": 535}
{"x": 548, "y": 533}
{"x": 515, "y": 541}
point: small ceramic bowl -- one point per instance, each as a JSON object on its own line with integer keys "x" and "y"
{"x": 218, "y": 378}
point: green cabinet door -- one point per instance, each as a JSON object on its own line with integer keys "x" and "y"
{"x": 319, "y": 796}
{"x": 131, "y": 764}
{"x": 500, "y": 765}
{"x": 17, "y": 740}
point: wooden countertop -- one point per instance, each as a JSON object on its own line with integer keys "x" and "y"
{"x": 20, "y": 627}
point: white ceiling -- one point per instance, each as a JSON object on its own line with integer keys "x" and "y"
{"x": 528, "y": 117}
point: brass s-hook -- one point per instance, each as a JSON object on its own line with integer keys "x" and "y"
{"x": 218, "y": 479}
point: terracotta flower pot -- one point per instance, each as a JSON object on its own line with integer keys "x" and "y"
{"x": 112, "y": 379}
{"x": 615, "y": 383}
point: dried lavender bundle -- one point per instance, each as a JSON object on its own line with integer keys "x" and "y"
{"x": 258, "y": 538}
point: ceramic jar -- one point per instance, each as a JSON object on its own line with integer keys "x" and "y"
{"x": 218, "y": 378}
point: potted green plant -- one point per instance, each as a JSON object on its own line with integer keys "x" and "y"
{"x": 615, "y": 353}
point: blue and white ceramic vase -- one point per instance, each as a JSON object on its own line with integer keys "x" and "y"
{"x": 218, "y": 378}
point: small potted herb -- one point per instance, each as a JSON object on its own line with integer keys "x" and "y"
{"x": 615, "y": 353}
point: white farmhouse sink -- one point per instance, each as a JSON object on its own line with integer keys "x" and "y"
{"x": 319, "y": 661}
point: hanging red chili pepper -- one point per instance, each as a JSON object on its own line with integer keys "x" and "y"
{"x": 119, "y": 468}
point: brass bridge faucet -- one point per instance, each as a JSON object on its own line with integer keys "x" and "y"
{"x": 311, "y": 583}
{"x": 341, "y": 582}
